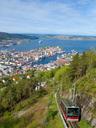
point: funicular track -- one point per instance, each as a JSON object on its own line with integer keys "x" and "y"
{"x": 67, "y": 124}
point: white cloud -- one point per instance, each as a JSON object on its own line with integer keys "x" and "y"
{"x": 36, "y": 16}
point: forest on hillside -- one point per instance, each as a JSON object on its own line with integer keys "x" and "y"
{"x": 21, "y": 102}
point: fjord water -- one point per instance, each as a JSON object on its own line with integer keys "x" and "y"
{"x": 67, "y": 45}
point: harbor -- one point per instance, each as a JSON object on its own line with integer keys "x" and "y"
{"x": 15, "y": 62}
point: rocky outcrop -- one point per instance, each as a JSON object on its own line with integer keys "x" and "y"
{"x": 87, "y": 104}
{"x": 88, "y": 108}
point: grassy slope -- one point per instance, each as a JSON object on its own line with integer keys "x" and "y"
{"x": 34, "y": 116}
{"x": 53, "y": 117}
{"x": 42, "y": 114}
{"x": 27, "y": 116}
{"x": 84, "y": 124}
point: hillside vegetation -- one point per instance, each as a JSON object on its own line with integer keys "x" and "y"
{"x": 9, "y": 36}
{"x": 21, "y": 105}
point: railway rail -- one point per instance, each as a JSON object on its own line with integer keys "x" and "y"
{"x": 67, "y": 124}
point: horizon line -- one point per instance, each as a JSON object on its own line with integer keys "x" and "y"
{"x": 66, "y": 34}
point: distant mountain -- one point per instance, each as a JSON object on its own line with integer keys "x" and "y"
{"x": 3, "y": 35}
{"x": 72, "y": 37}
{"x": 7, "y": 36}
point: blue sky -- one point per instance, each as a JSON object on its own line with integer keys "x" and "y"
{"x": 48, "y": 16}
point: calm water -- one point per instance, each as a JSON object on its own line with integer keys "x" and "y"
{"x": 67, "y": 45}
{"x": 47, "y": 60}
